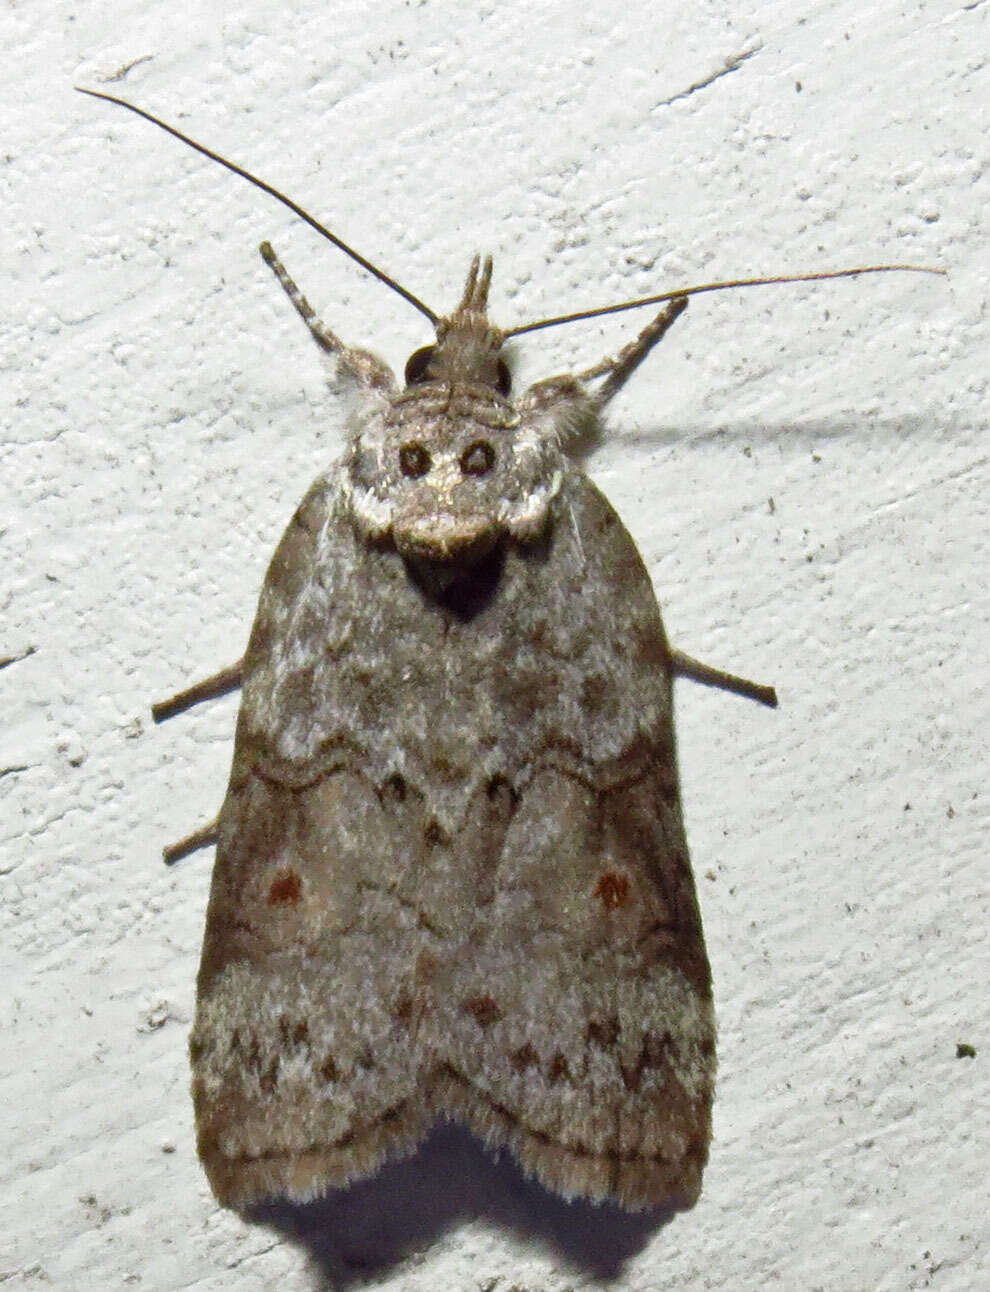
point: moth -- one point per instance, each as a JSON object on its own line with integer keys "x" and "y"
{"x": 451, "y": 875}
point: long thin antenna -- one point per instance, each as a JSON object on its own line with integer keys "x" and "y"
{"x": 718, "y": 287}
{"x": 267, "y": 188}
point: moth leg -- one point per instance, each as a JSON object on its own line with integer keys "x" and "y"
{"x": 366, "y": 368}
{"x": 566, "y": 392}
{"x": 204, "y": 837}
{"x": 211, "y": 688}
{"x": 686, "y": 666}
{"x": 617, "y": 371}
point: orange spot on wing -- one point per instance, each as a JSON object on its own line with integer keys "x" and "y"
{"x": 285, "y": 890}
{"x": 613, "y": 889}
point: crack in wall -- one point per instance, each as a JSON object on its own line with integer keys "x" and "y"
{"x": 730, "y": 65}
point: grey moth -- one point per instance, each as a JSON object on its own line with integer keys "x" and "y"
{"x": 451, "y": 876}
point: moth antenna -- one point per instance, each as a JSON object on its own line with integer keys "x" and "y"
{"x": 719, "y": 287}
{"x": 274, "y": 192}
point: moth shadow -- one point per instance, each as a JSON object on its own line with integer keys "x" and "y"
{"x": 368, "y": 1227}
{"x": 798, "y": 435}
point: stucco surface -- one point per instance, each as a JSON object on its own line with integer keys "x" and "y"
{"x": 805, "y": 469}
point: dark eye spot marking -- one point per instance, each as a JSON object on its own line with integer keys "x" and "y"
{"x": 478, "y": 458}
{"x": 503, "y": 382}
{"x": 395, "y": 788}
{"x": 414, "y": 460}
{"x": 434, "y": 834}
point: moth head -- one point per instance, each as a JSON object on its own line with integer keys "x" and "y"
{"x": 448, "y": 500}
{"x": 450, "y": 468}
{"x": 467, "y": 350}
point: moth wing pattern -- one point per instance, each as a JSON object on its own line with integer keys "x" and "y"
{"x": 452, "y": 877}
{"x": 576, "y": 1022}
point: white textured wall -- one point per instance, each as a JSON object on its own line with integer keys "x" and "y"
{"x": 163, "y": 411}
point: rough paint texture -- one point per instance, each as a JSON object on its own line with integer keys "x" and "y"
{"x": 451, "y": 876}
{"x": 155, "y": 409}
